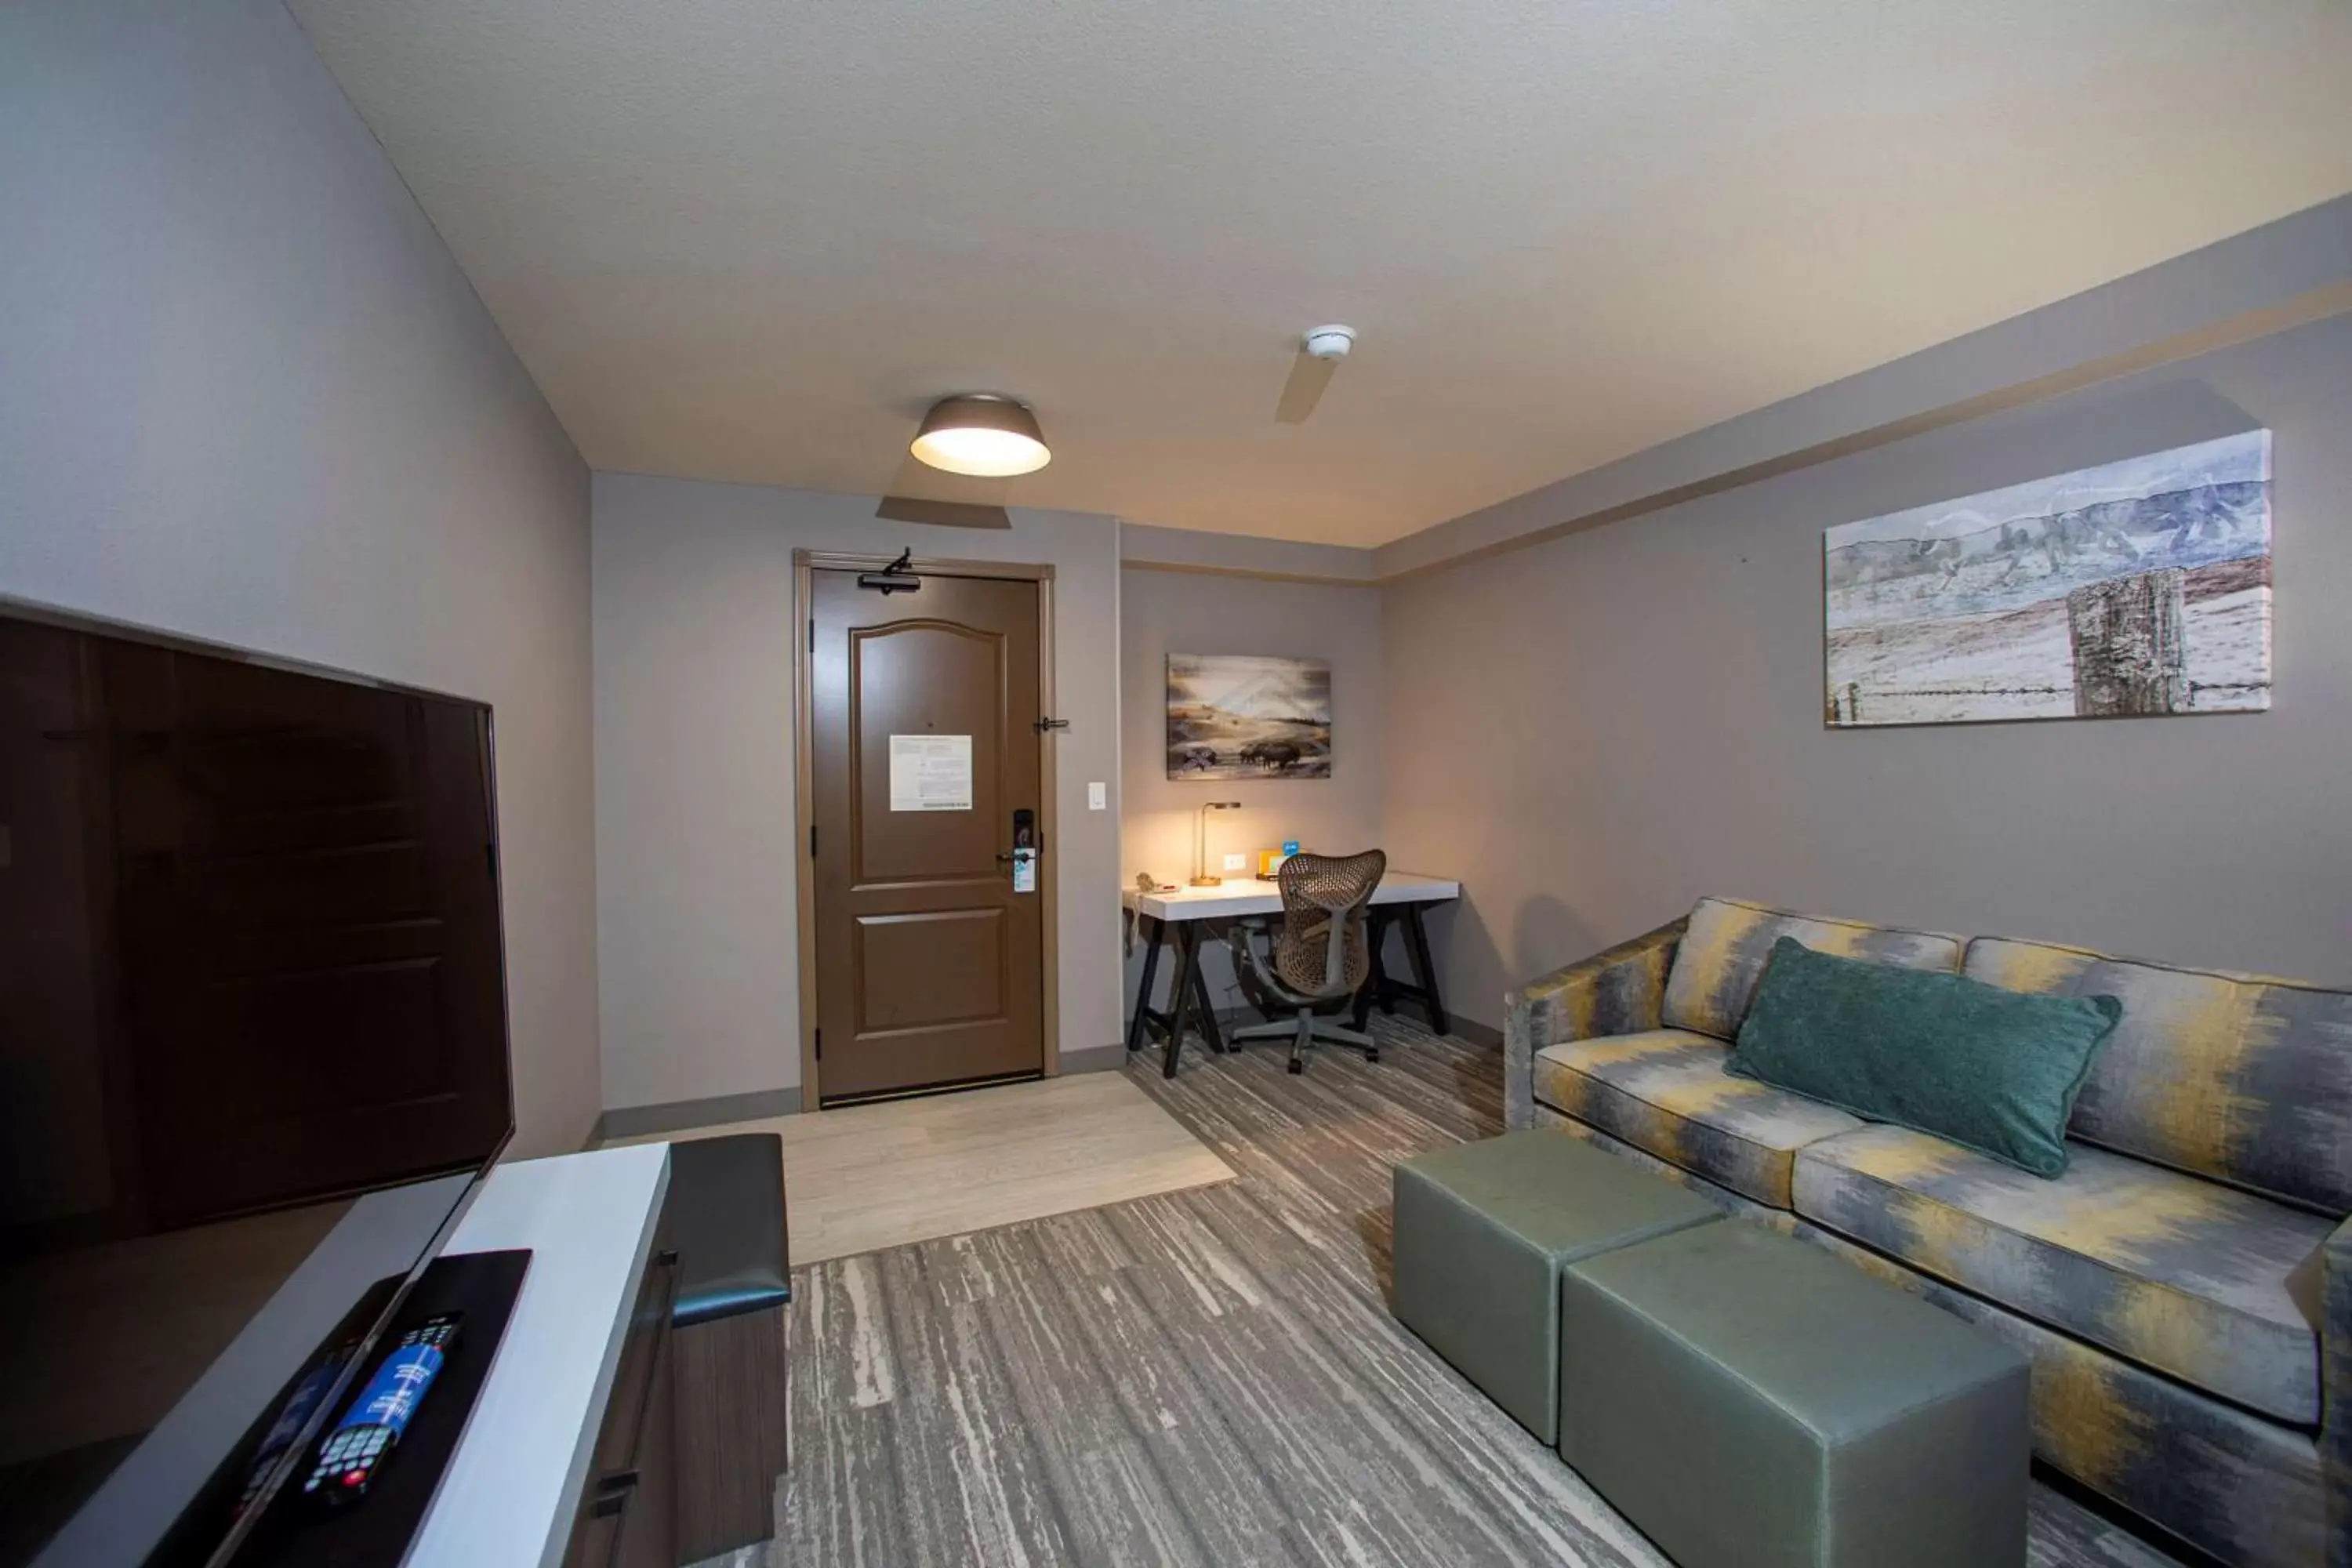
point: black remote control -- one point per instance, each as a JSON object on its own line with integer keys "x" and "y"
{"x": 359, "y": 1443}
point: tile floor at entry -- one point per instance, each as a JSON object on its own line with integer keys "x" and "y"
{"x": 871, "y": 1176}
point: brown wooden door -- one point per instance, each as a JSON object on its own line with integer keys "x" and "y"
{"x": 930, "y": 964}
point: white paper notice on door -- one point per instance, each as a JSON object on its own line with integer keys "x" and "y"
{"x": 930, "y": 772}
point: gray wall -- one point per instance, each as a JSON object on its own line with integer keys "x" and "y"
{"x": 1185, "y": 612}
{"x": 248, "y": 396}
{"x": 1242, "y": 555}
{"x": 1607, "y": 726}
{"x": 695, "y": 842}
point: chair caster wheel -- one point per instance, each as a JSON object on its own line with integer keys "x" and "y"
{"x": 1296, "y": 1066}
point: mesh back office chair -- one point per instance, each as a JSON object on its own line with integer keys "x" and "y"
{"x": 1319, "y": 958}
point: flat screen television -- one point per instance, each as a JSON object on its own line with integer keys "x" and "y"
{"x": 253, "y": 1061}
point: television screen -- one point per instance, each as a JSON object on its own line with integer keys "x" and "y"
{"x": 253, "y": 1057}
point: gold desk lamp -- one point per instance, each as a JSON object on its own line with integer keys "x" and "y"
{"x": 1200, "y": 878}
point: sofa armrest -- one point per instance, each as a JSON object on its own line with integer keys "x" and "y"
{"x": 1614, "y": 993}
{"x": 2335, "y": 1391}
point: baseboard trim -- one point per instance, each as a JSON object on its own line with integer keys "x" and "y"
{"x": 636, "y": 1120}
{"x": 1477, "y": 1033}
{"x": 1094, "y": 1059}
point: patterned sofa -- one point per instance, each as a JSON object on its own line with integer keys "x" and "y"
{"x": 2184, "y": 1291}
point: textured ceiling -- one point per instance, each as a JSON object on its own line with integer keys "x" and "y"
{"x": 751, "y": 240}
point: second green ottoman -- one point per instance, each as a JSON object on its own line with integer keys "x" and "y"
{"x": 1749, "y": 1401}
{"x": 1482, "y": 1232}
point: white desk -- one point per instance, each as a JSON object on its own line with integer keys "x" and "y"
{"x": 1400, "y": 898}
{"x": 1259, "y": 896}
{"x": 507, "y": 1498}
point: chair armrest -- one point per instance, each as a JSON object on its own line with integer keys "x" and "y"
{"x": 1616, "y": 992}
{"x": 1244, "y": 938}
{"x": 2335, "y": 1391}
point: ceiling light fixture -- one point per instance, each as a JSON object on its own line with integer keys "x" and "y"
{"x": 984, "y": 434}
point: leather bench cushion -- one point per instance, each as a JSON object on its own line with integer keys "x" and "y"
{"x": 2181, "y": 1275}
{"x": 1665, "y": 1092}
{"x": 1481, "y": 1232}
{"x": 1748, "y": 1401}
{"x": 727, "y": 1219}
{"x": 1721, "y": 957}
{"x": 2230, "y": 1075}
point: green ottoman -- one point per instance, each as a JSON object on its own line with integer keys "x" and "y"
{"x": 1481, "y": 1231}
{"x": 1747, "y": 1399}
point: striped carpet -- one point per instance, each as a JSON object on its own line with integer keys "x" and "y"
{"x": 1209, "y": 1376}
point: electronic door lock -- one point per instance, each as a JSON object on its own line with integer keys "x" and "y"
{"x": 1025, "y": 851}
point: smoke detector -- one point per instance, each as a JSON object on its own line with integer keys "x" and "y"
{"x": 1329, "y": 342}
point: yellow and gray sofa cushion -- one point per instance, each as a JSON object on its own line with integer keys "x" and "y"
{"x": 1722, "y": 951}
{"x": 2187, "y": 1277}
{"x": 2244, "y": 1080}
{"x": 2242, "y": 1486}
{"x": 1664, "y": 1091}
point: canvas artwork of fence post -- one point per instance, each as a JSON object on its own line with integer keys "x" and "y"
{"x": 1244, "y": 716}
{"x": 2134, "y": 588}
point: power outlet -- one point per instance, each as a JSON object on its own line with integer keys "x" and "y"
{"x": 1237, "y": 862}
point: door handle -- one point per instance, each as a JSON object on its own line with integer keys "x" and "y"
{"x": 612, "y": 1493}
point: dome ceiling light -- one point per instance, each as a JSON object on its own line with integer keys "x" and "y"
{"x": 984, "y": 434}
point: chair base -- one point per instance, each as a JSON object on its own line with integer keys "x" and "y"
{"x": 1303, "y": 1032}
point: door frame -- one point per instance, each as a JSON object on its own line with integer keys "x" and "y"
{"x": 805, "y": 564}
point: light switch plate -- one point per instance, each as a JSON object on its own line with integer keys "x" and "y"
{"x": 1097, "y": 795}
{"x": 1237, "y": 862}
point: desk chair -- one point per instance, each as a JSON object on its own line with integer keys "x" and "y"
{"x": 1320, "y": 957}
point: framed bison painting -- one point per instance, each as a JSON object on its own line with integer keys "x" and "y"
{"x": 1248, "y": 716}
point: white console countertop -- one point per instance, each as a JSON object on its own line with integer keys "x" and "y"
{"x": 510, "y": 1494}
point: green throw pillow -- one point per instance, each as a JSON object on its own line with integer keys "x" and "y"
{"x": 1996, "y": 1070}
